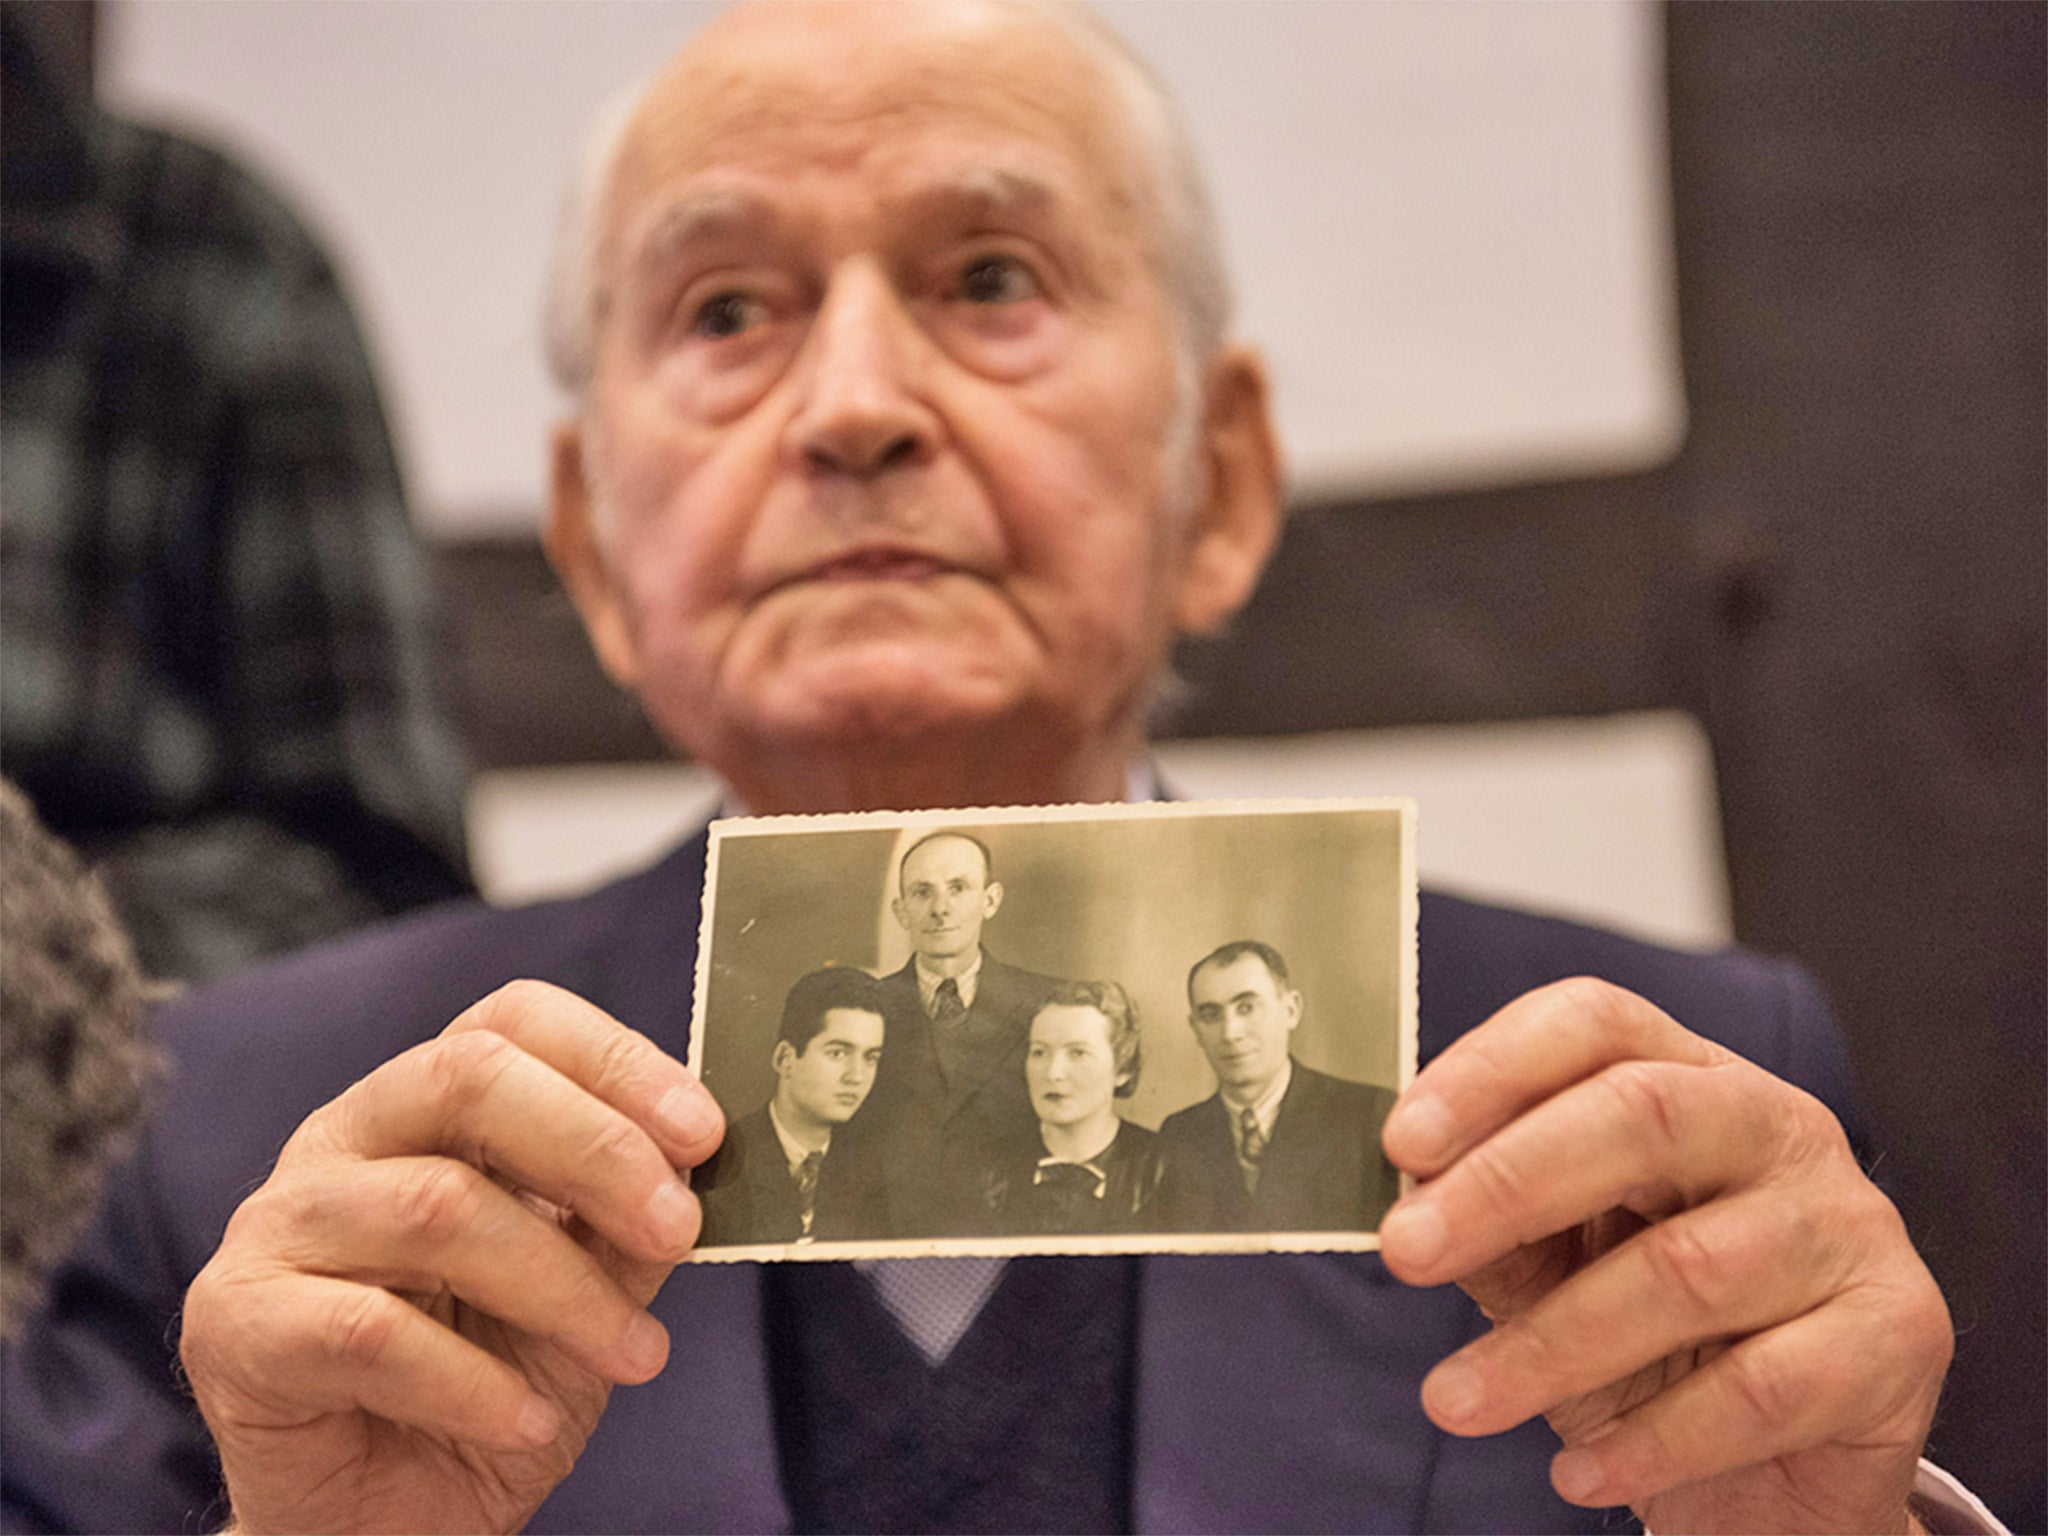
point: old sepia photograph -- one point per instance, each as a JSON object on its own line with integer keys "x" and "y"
{"x": 1162, "y": 1027}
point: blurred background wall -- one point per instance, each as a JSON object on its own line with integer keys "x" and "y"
{"x": 1667, "y": 385}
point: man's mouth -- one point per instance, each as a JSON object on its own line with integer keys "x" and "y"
{"x": 881, "y": 563}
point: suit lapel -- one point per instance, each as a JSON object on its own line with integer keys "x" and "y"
{"x": 765, "y": 1168}
{"x": 995, "y": 1001}
{"x": 1294, "y": 1149}
{"x": 1219, "y": 1148}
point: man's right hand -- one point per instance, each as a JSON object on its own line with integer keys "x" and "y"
{"x": 415, "y": 1322}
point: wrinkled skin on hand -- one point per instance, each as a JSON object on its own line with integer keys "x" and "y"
{"x": 416, "y": 1321}
{"x": 1687, "y": 1272}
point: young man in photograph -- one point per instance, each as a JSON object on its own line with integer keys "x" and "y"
{"x": 768, "y": 1183}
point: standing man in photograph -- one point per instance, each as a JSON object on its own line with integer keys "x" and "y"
{"x": 952, "y": 1094}
{"x": 767, "y": 1182}
{"x": 1279, "y": 1147}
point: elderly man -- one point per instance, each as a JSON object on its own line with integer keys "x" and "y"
{"x": 908, "y": 440}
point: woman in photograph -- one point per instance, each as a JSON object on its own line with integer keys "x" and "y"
{"x": 1097, "y": 1172}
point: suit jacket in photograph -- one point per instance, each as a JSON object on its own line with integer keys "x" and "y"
{"x": 922, "y": 1134}
{"x": 1322, "y": 1169}
{"x": 747, "y": 1193}
{"x": 1270, "y": 1392}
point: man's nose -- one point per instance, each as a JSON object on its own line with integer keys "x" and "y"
{"x": 861, "y": 411}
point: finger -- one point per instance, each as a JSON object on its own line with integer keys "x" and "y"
{"x": 1728, "y": 1269}
{"x": 1539, "y": 1044}
{"x": 332, "y": 1346}
{"x": 620, "y": 1066}
{"x": 1649, "y": 1137}
{"x": 427, "y": 1225}
{"x": 475, "y": 1096}
{"x": 1809, "y": 1383}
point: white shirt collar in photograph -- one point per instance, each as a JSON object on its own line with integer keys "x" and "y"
{"x": 793, "y": 1149}
{"x": 968, "y": 981}
{"x": 1266, "y": 1108}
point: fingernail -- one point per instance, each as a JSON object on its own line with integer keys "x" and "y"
{"x": 1424, "y": 1130}
{"x": 671, "y": 1212}
{"x": 1415, "y": 1229}
{"x": 686, "y": 1114}
{"x": 645, "y": 1345}
{"x": 1453, "y": 1392}
{"x": 1578, "y": 1476}
{"x": 539, "y": 1423}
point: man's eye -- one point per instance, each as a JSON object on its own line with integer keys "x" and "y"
{"x": 726, "y": 314}
{"x": 997, "y": 280}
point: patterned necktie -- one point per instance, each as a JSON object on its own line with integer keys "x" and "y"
{"x": 1251, "y": 1147}
{"x": 807, "y": 1186}
{"x": 946, "y": 1003}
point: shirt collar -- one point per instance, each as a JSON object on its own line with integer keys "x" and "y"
{"x": 968, "y": 982}
{"x": 1266, "y": 1107}
{"x": 793, "y": 1149}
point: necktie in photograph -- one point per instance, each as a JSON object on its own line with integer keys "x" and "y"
{"x": 1251, "y": 1147}
{"x": 807, "y": 1186}
{"x": 946, "y": 1003}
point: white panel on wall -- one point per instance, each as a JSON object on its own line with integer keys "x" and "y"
{"x": 1450, "y": 221}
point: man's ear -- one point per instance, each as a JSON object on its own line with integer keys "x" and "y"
{"x": 782, "y": 1058}
{"x": 577, "y": 554}
{"x": 991, "y": 898}
{"x": 1292, "y": 999}
{"x": 1235, "y": 525}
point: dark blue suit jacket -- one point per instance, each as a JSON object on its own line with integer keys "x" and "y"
{"x": 1271, "y": 1392}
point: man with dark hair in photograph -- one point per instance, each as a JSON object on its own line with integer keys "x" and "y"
{"x": 1279, "y": 1146}
{"x": 951, "y": 1095}
{"x": 766, "y": 1183}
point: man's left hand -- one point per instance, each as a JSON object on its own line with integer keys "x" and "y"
{"x": 1687, "y": 1271}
